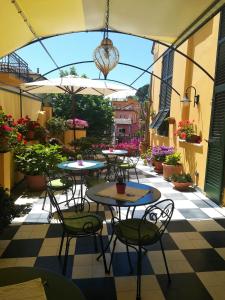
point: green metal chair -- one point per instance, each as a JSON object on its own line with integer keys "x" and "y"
{"x": 129, "y": 163}
{"x": 140, "y": 233}
{"x": 79, "y": 224}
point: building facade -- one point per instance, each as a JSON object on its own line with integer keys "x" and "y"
{"x": 204, "y": 159}
{"x": 126, "y": 118}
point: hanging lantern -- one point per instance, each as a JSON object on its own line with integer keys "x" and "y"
{"x": 106, "y": 56}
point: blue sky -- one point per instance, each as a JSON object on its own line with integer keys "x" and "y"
{"x": 77, "y": 47}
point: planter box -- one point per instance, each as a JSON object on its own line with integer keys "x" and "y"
{"x": 6, "y": 170}
{"x": 69, "y": 135}
{"x": 181, "y": 186}
{"x": 169, "y": 170}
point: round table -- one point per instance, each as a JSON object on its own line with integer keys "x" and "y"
{"x": 57, "y": 287}
{"x": 114, "y": 152}
{"x": 112, "y": 170}
{"x": 73, "y": 167}
{"x": 149, "y": 198}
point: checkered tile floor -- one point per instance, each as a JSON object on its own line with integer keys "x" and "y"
{"x": 194, "y": 246}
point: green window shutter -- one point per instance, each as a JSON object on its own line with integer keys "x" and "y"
{"x": 214, "y": 180}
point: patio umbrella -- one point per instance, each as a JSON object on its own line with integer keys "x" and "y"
{"x": 74, "y": 85}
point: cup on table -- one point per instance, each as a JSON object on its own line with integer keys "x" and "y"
{"x": 121, "y": 187}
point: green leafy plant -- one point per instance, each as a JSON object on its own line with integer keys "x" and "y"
{"x": 120, "y": 180}
{"x": 38, "y": 159}
{"x": 185, "y": 177}
{"x": 8, "y": 209}
{"x": 56, "y": 126}
{"x": 79, "y": 157}
{"x": 173, "y": 159}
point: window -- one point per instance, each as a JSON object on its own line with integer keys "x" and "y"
{"x": 165, "y": 94}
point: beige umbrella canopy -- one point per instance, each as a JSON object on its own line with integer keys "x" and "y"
{"x": 74, "y": 85}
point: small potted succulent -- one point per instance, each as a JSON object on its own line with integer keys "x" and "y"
{"x": 181, "y": 181}
{"x": 120, "y": 185}
{"x": 172, "y": 165}
{"x": 80, "y": 160}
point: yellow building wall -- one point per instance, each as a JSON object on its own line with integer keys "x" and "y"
{"x": 201, "y": 47}
{"x": 10, "y": 102}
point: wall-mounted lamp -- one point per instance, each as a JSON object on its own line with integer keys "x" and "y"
{"x": 186, "y": 99}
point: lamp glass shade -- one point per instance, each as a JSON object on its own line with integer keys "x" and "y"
{"x": 106, "y": 56}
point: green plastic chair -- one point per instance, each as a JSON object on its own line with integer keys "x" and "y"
{"x": 79, "y": 224}
{"x": 129, "y": 163}
{"x": 140, "y": 233}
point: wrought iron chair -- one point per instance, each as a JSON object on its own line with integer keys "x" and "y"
{"x": 59, "y": 182}
{"x": 140, "y": 233}
{"x": 78, "y": 224}
{"x": 129, "y": 163}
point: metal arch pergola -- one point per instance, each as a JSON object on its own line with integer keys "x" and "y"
{"x": 120, "y": 63}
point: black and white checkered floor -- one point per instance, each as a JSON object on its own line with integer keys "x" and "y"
{"x": 194, "y": 244}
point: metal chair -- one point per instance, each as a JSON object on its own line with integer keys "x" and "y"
{"x": 79, "y": 224}
{"x": 140, "y": 233}
{"x": 129, "y": 163}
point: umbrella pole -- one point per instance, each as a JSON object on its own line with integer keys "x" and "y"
{"x": 74, "y": 108}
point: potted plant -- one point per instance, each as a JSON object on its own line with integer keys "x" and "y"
{"x": 56, "y": 127}
{"x": 35, "y": 160}
{"x": 172, "y": 165}
{"x": 147, "y": 157}
{"x": 76, "y": 123}
{"x": 120, "y": 185}
{"x": 79, "y": 160}
{"x": 186, "y": 132}
{"x": 181, "y": 181}
{"x": 159, "y": 154}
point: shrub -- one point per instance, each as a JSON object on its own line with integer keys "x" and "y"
{"x": 56, "y": 126}
{"x": 173, "y": 159}
{"x": 185, "y": 177}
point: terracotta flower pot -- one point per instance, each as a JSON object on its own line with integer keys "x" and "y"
{"x": 169, "y": 170}
{"x": 182, "y": 186}
{"x": 121, "y": 187}
{"x": 158, "y": 166}
{"x": 36, "y": 183}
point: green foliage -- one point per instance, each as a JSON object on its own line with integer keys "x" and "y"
{"x": 79, "y": 157}
{"x": 38, "y": 159}
{"x": 173, "y": 159}
{"x": 56, "y": 126}
{"x": 94, "y": 109}
{"x": 8, "y": 209}
{"x": 120, "y": 179}
{"x": 72, "y": 71}
{"x": 185, "y": 177}
{"x": 143, "y": 93}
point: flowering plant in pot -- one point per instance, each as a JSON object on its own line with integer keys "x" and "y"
{"x": 9, "y": 136}
{"x": 79, "y": 160}
{"x": 35, "y": 160}
{"x": 76, "y": 123}
{"x": 181, "y": 181}
{"x": 56, "y": 127}
{"x": 172, "y": 165}
{"x": 147, "y": 157}
{"x": 159, "y": 154}
{"x": 27, "y": 127}
{"x": 120, "y": 185}
{"x": 186, "y": 132}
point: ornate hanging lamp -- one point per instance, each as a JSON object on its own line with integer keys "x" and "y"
{"x": 106, "y": 56}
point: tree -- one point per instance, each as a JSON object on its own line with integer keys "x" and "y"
{"x": 143, "y": 93}
{"x": 96, "y": 110}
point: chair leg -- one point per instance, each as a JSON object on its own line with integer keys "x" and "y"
{"x": 139, "y": 270}
{"x": 103, "y": 253}
{"x": 95, "y": 243}
{"x": 66, "y": 254}
{"x": 129, "y": 260}
{"x": 45, "y": 197}
{"x": 113, "y": 250}
{"x": 164, "y": 257}
{"x": 61, "y": 244}
{"x": 136, "y": 174}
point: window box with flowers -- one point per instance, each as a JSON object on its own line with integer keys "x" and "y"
{"x": 186, "y": 132}
{"x": 159, "y": 155}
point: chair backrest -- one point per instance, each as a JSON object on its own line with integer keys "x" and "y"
{"x": 160, "y": 214}
{"x": 55, "y": 204}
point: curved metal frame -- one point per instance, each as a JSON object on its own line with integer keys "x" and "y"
{"x": 120, "y": 63}
{"x": 172, "y": 47}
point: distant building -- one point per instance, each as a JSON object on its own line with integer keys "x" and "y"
{"x": 126, "y": 118}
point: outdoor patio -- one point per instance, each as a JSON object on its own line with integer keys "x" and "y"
{"x": 194, "y": 246}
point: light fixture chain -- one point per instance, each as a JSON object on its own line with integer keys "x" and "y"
{"x": 107, "y": 19}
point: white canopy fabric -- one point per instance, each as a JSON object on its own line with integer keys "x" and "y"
{"x": 121, "y": 95}
{"x": 170, "y": 21}
{"x": 73, "y": 84}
